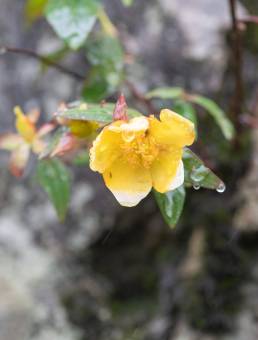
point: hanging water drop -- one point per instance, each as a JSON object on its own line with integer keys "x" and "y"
{"x": 196, "y": 186}
{"x": 221, "y": 188}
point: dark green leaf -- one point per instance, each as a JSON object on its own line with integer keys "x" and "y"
{"x": 55, "y": 179}
{"x": 166, "y": 93}
{"x": 198, "y": 175}
{"x": 72, "y": 20}
{"x": 106, "y": 56}
{"x": 186, "y": 110}
{"x": 217, "y": 113}
{"x": 95, "y": 112}
{"x": 171, "y": 204}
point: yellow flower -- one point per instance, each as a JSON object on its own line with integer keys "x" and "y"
{"x": 83, "y": 129}
{"x": 28, "y": 138}
{"x": 142, "y": 153}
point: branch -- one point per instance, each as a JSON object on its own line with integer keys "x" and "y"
{"x": 238, "y": 98}
{"x": 44, "y": 60}
{"x": 27, "y": 52}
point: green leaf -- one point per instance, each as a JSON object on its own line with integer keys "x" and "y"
{"x": 217, "y": 113}
{"x": 166, "y": 93}
{"x": 127, "y": 3}
{"x": 55, "y": 179}
{"x": 72, "y": 20}
{"x": 106, "y": 57}
{"x": 198, "y": 175}
{"x": 171, "y": 204}
{"x": 94, "y": 112}
{"x": 186, "y": 110}
{"x": 34, "y": 9}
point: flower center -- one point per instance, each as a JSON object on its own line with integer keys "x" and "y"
{"x": 140, "y": 148}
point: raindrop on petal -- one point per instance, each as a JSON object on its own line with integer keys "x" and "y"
{"x": 128, "y": 136}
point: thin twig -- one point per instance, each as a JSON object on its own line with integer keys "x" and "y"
{"x": 32, "y": 54}
{"x": 238, "y": 98}
{"x": 43, "y": 59}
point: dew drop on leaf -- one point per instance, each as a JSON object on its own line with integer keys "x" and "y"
{"x": 221, "y": 188}
{"x": 196, "y": 186}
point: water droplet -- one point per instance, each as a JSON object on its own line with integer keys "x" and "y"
{"x": 128, "y": 136}
{"x": 196, "y": 186}
{"x": 221, "y": 188}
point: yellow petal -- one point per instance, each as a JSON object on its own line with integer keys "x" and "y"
{"x": 166, "y": 170}
{"x": 178, "y": 180}
{"x": 181, "y": 129}
{"x": 172, "y": 129}
{"x": 106, "y": 148}
{"x": 10, "y": 141}
{"x": 19, "y": 159}
{"x": 129, "y": 184}
{"x": 24, "y": 126}
{"x": 130, "y": 130}
{"x": 83, "y": 129}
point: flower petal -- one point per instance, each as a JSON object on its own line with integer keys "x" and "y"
{"x": 24, "y": 126}
{"x": 181, "y": 129}
{"x": 129, "y": 184}
{"x": 178, "y": 180}
{"x": 67, "y": 143}
{"x": 137, "y": 124}
{"x": 38, "y": 145}
{"x": 106, "y": 148}
{"x": 19, "y": 159}
{"x": 46, "y": 128}
{"x": 166, "y": 170}
{"x": 83, "y": 129}
{"x": 172, "y": 129}
{"x": 10, "y": 141}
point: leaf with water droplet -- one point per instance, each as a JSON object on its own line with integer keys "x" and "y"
{"x": 198, "y": 175}
{"x": 94, "y": 112}
{"x": 221, "y": 188}
{"x": 171, "y": 204}
{"x": 72, "y": 20}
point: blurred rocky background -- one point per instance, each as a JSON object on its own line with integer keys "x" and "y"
{"x": 121, "y": 274}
